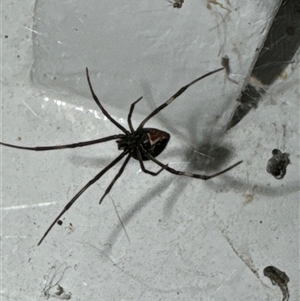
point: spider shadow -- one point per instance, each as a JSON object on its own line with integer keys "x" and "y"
{"x": 91, "y": 162}
{"x": 210, "y": 153}
{"x": 135, "y": 208}
{"x": 209, "y": 156}
{"x": 100, "y": 162}
{"x": 206, "y": 152}
{"x": 207, "y": 165}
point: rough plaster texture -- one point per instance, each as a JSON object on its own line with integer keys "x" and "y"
{"x": 189, "y": 239}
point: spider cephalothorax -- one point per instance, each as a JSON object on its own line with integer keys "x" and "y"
{"x": 141, "y": 144}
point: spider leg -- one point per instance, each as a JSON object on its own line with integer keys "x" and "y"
{"x": 130, "y": 114}
{"x": 72, "y": 145}
{"x": 189, "y": 174}
{"x": 101, "y": 107}
{"x": 144, "y": 169}
{"x": 178, "y": 93}
{"x": 91, "y": 182}
{"x": 115, "y": 178}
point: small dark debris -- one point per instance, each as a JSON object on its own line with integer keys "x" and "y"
{"x": 60, "y": 290}
{"x": 279, "y": 278}
{"x": 277, "y": 164}
{"x": 225, "y": 64}
{"x": 177, "y": 3}
{"x": 6, "y": 36}
{"x": 60, "y": 222}
{"x": 290, "y": 31}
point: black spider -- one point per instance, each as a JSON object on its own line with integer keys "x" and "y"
{"x": 141, "y": 144}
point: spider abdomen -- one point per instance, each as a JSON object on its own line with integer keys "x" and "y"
{"x": 151, "y": 140}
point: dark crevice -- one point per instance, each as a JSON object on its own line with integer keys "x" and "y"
{"x": 278, "y": 51}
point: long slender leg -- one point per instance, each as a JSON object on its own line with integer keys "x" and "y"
{"x": 178, "y": 93}
{"x": 72, "y": 145}
{"x": 144, "y": 169}
{"x": 130, "y": 114}
{"x": 189, "y": 174}
{"x": 101, "y": 107}
{"x": 117, "y": 176}
{"x": 91, "y": 182}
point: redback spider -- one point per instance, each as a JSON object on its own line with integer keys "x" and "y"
{"x": 142, "y": 144}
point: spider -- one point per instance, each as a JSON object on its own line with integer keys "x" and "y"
{"x": 142, "y": 144}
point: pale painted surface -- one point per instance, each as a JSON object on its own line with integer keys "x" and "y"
{"x": 189, "y": 239}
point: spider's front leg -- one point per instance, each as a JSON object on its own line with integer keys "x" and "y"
{"x": 172, "y": 98}
{"x": 130, "y": 114}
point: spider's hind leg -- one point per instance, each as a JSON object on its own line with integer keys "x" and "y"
{"x": 144, "y": 169}
{"x": 189, "y": 174}
{"x": 117, "y": 176}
